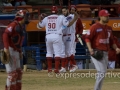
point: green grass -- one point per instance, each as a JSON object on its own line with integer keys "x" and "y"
{"x": 41, "y": 81}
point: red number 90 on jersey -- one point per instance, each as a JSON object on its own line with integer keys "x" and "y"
{"x": 51, "y": 25}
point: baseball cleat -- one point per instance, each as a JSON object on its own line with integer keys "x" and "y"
{"x": 56, "y": 71}
{"x": 74, "y": 68}
{"x": 62, "y": 70}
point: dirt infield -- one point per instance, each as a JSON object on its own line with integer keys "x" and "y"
{"x": 80, "y": 80}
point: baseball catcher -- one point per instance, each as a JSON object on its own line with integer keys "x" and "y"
{"x": 12, "y": 40}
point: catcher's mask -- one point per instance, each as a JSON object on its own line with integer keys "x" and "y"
{"x": 22, "y": 14}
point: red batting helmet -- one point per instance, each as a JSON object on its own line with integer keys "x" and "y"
{"x": 54, "y": 9}
{"x": 72, "y": 6}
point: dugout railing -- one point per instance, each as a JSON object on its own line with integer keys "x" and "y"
{"x": 38, "y": 53}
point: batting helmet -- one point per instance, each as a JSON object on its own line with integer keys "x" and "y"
{"x": 54, "y": 9}
{"x": 72, "y": 6}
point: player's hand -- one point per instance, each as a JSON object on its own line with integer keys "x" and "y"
{"x": 76, "y": 15}
{"x": 91, "y": 52}
{"x": 42, "y": 16}
{"x": 117, "y": 50}
{"x": 39, "y": 18}
{"x": 80, "y": 35}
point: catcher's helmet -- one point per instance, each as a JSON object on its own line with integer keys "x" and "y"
{"x": 22, "y": 14}
{"x": 54, "y": 9}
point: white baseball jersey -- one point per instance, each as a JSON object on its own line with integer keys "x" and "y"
{"x": 71, "y": 29}
{"x": 54, "y": 24}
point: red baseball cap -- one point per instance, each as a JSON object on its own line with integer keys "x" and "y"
{"x": 103, "y": 13}
{"x": 73, "y": 6}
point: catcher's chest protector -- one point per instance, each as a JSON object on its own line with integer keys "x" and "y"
{"x": 16, "y": 38}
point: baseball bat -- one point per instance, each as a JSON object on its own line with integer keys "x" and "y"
{"x": 80, "y": 40}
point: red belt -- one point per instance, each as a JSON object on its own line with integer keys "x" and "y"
{"x": 66, "y": 34}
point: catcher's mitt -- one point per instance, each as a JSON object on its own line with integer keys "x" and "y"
{"x": 3, "y": 57}
{"x": 98, "y": 55}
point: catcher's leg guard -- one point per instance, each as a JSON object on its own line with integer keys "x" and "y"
{"x": 12, "y": 87}
{"x": 57, "y": 63}
{"x": 19, "y": 78}
{"x": 11, "y": 81}
{"x": 49, "y": 62}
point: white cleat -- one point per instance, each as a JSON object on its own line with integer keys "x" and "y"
{"x": 74, "y": 68}
{"x": 62, "y": 70}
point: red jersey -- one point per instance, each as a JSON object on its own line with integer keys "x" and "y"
{"x": 13, "y": 36}
{"x": 112, "y": 56}
{"x": 100, "y": 36}
{"x": 79, "y": 28}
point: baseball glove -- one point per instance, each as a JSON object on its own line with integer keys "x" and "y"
{"x": 3, "y": 57}
{"x": 98, "y": 55}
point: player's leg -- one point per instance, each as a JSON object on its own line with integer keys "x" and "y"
{"x": 66, "y": 40}
{"x": 57, "y": 51}
{"x": 49, "y": 55}
{"x": 67, "y": 65}
{"x": 72, "y": 51}
{"x": 19, "y": 71}
{"x": 101, "y": 67}
{"x": 11, "y": 71}
{"x": 63, "y": 58}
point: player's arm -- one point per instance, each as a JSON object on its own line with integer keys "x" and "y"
{"x": 88, "y": 38}
{"x": 112, "y": 41}
{"x": 79, "y": 27}
{"x": 68, "y": 23}
{"x": 74, "y": 19}
{"x": 6, "y": 36}
{"x": 41, "y": 22}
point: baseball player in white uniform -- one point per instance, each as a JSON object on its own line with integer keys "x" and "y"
{"x": 69, "y": 44}
{"x": 54, "y": 26}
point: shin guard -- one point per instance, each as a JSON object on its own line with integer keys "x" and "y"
{"x": 19, "y": 80}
